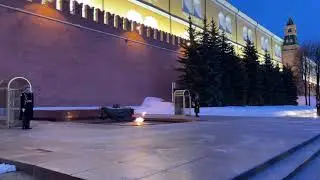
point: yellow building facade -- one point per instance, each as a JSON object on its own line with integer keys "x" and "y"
{"x": 172, "y": 16}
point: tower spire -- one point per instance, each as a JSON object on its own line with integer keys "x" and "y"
{"x": 290, "y": 33}
{"x": 290, "y": 22}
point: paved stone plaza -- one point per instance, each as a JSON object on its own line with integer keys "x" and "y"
{"x": 216, "y": 148}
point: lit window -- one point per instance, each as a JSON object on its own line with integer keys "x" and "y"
{"x": 250, "y": 35}
{"x": 264, "y": 43}
{"x": 277, "y": 51}
{"x": 134, "y": 16}
{"x": 228, "y": 25}
{"x": 197, "y": 8}
{"x": 222, "y": 22}
{"x": 192, "y": 7}
{"x": 245, "y": 33}
{"x": 151, "y": 21}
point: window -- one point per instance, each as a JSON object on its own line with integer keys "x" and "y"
{"x": 264, "y": 43}
{"x": 228, "y": 25}
{"x": 222, "y": 23}
{"x": 134, "y": 16}
{"x": 225, "y": 23}
{"x": 277, "y": 51}
{"x": 197, "y": 8}
{"x": 151, "y": 21}
{"x": 250, "y": 35}
{"x": 187, "y": 6}
{"x": 290, "y": 30}
{"x": 245, "y": 33}
{"x": 192, "y": 7}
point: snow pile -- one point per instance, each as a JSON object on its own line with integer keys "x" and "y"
{"x": 260, "y": 111}
{"x": 152, "y": 105}
{"x": 5, "y": 168}
{"x": 302, "y": 101}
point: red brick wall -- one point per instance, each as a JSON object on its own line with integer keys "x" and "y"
{"x": 71, "y": 66}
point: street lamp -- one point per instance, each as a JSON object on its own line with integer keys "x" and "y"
{"x": 170, "y": 16}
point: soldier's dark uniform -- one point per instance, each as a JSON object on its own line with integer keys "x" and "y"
{"x": 197, "y": 106}
{"x": 26, "y": 109}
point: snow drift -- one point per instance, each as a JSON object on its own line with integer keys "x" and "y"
{"x": 153, "y": 105}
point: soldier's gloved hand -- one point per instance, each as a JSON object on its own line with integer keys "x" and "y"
{"x": 23, "y": 109}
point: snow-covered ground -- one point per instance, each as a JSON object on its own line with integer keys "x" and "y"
{"x": 302, "y": 101}
{"x": 153, "y": 105}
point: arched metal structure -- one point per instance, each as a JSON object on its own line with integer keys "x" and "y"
{"x": 181, "y": 101}
{"x": 10, "y": 91}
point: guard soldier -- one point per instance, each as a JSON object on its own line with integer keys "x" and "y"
{"x": 26, "y": 108}
{"x": 197, "y": 105}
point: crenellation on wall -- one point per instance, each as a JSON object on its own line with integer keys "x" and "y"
{"x": 77, "y": 9}
{"x": 132, "y": 25}
{"x": 65, "y": 7}
{"x": 155, "y": 34}
{"x": 161, "y": 35}
{"x": 100, "y": 16}
{"x": 141, "y": 30}
{"x": 121, "y": 23}
{"x": 89, "y": 13}
{"x": 116, "y": 21}
{"x": 174, "y": 40}
{"x": 95, "y": 15}
{"x": 84, "y": 11}
{"x": 126, "y": 24}
{"x": 168, "y": 37}
{"x": 148, "y": 32}
{"x": 109, "y": 18}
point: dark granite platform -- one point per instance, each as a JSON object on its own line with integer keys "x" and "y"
{"x": 218, "y": 148}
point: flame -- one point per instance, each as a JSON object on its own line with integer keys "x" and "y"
{"x": 139, "y": 121}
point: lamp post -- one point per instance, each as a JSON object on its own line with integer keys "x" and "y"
{"x": 102, "y": 4}
{"x": 205, "y": 9}
{"x": 170, "y": 16}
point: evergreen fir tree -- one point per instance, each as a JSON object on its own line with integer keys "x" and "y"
{"x": 188, "y": 62}
{"x": 253, "y": 81}
{"x": 240, "y": 89}
{"x": 268, "y": 80}
{"x": 231, "y": 74}
{"x": 278, "y": 87}
{"x": 289, "y": 86}
{"x": 206, "y": 87}
{"x": 215, "y": 63}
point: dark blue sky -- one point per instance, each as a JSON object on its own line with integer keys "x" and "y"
{"x": 273, "y": 14}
